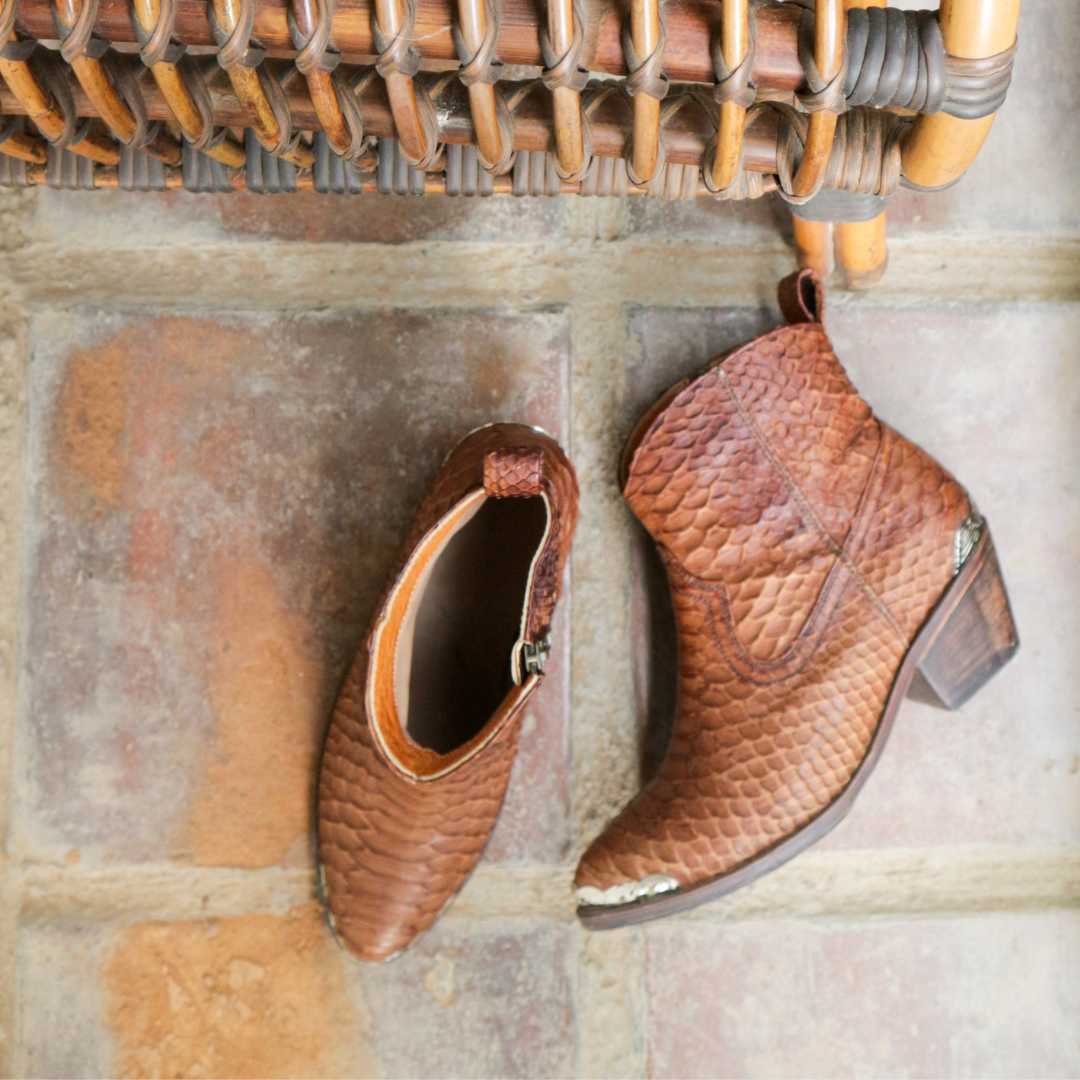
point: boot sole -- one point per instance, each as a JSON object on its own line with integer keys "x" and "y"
{"x": 968, "y": 636}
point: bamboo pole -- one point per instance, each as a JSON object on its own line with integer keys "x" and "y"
{"x": 860, "y": 248}
{"x": 687, "y": 57}
{"x": 685, "y": 136}
{"x": 861, "y": 251}
{"x": 814, "y": 245}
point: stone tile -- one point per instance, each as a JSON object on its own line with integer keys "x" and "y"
{"x": 481, "y": 999}
{"x": 179, "y": 217}
{"x": 273, "y": 995}
{"x": 214, "y": 504}
{"x": 60, "y": 1030}
{"x": 991, "y": 392}
{"x": 990, "y": 996}
{"x": 738, "y": 222}
{"x": 256, "y": 995}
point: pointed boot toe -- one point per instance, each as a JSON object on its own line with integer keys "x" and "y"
{"x": 818, "y": 564}
{"x": 424, "y": 732}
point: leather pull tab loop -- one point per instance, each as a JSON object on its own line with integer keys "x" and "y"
{"x": 513, "y": 472}
{"x": 802, "y": 297}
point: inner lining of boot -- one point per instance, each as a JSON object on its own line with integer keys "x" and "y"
{"x": 468, "y": 619}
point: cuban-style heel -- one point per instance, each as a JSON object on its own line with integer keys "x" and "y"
{"x": 971, "y": 634}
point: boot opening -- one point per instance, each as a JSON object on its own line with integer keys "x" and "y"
{"x": 468, "y": 622}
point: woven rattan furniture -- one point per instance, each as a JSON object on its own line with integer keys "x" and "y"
{"x": 834, "y": 103}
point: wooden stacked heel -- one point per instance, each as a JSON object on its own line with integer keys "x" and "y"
{"x": 971, "y": 634}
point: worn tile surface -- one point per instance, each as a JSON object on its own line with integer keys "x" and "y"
{"x": 214, "y": 506}
{"x": 62, "y": 1029}
{"x": 988, "y": 996}
{"x": 117, "y": 217}
{"x": 250, "y": 996}
{"x": 491, "y": 999}
{"x": 272, "y": 995}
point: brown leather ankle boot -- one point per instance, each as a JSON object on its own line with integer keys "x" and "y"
{"x": 425, "y": 729}
{"x": 816, "y": 561}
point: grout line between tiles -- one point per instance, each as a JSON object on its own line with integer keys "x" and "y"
{"x": 607, "y": 970}
{"x": 658, "y": 271}
{"x": 901, "y": 883}
{"x": 13, "y": 361}
{"x": 604, "y": 758}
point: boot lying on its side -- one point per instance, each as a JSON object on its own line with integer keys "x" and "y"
{"x": 426, "y": 727}
{"x": 817, "y": 560}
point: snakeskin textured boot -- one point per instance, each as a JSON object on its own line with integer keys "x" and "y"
{"x": 425, "y": 729}
{"x": 817, "y": 560}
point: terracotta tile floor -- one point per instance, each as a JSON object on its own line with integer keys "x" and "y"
{"x": 216, "y": 418}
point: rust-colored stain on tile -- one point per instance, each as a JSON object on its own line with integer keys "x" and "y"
{"x": 92, "y": 421}
{"x": 254, "y": 800}
{"x": 221, "y": 498}
{"x": 252, "y": 996}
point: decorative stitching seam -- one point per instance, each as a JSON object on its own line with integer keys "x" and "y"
{"x": 792, "y": 662}
{"x": 804, "y": 505}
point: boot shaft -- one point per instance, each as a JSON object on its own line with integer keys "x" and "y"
{"x": 769, "y": 474}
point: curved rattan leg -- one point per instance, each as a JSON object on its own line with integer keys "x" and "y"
{"x": 829, "y": 59}
{"x": 393, "y": 31}
{"x": 240, "y": 59}
{"x": 76, "y": 18}
{"x": 332, "y": 96}
{"x": 46, "y": 114}
{"x": 733, "y": 92}
{"x": 565, "y": 79}
{"x": 646, "y": 85}
{"x": 170, "y": 81}
{"x": 941, "y": 147}
{"x": 17, "y": 143}
{"x": 476, "y": 35}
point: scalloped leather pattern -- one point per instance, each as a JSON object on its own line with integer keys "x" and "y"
{"x": 393, "y": 851}
{"x": 805, "y": 544}
{"x": 513, "y": 472}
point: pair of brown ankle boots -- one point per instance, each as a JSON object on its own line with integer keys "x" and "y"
{"x": 817, "y": 561}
